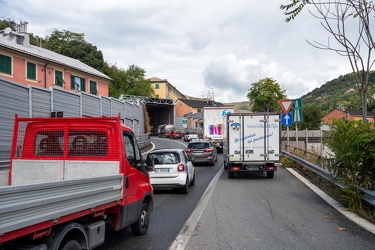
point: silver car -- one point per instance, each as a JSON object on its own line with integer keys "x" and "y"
{"x": 202, "y": 151}
{"x": 172, "y": 170}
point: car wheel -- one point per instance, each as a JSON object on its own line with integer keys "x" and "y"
{"x": 192, "y": 183}
{"x": 140, "y": 227}
{"x": 185, "y": 188}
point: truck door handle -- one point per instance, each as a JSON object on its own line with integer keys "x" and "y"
{"x": 126, "y": 182}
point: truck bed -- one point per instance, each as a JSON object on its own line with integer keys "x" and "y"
{"x": 26, "y": 205}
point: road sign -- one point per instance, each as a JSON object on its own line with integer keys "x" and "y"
{"x": 287, "y": 119}
{"x": 297, "y": 110}
{"x": 286, "y": 105}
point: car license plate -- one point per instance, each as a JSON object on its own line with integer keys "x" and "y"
{"x": 198, "y": 153}
{"x": 161, "y": 170}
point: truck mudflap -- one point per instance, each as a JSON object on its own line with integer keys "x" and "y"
{"x": 64, "y": 198}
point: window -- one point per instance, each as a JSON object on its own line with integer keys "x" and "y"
{"x": 156, "y": 85}
{"x": 78, "y": 83}
{"x": 59, "y": 78}
{"x": 93, "y": 88}
{"x": 132, "y": 152}
{"x": 156, "y": 96}
{"x": 5, "y": 64}
{"x": 31, "y": 71}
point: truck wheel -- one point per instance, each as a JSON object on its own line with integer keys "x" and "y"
{"x": 230, "y": 174}
{"x": 140, "y": 227}
{"x": 72, "y": 245}
{"x": 270, "y": 174}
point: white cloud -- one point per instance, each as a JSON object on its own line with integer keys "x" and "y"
{"x": 224, "y": 45}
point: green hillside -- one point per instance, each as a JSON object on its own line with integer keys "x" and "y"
{"x": 341, "y": 91}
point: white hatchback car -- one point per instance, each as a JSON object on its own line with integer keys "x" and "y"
{"x": 172, "y": 170}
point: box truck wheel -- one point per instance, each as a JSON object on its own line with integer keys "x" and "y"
{"x": 140, "y": 227}
{"x": 270, "y": 174}
{"x": 230, "y": 174}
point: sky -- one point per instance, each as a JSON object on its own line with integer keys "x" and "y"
{"x": 204, "y": 48}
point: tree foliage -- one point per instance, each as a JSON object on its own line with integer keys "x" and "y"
{"x": 265, "y": 94}
{"x": 338, "y": 18}
{"x": 129, "y": 82}
{"x": 312, "y": 118}
{"x": 73, "y": 45}
{"x": 352, "y": 143}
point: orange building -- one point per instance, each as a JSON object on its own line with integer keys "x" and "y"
{"x": 27, "y": 64}
{"x": 347, "y": 114}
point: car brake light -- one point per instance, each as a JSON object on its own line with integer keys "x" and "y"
{"x": 181, "y": 167}
{"x": 209, "y": 150}
{"x": 187, "y": 150}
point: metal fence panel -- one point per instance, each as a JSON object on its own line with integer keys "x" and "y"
{"x": 106, "y": 106}
{"x": 40, "y": 102}
{"x": 67, "y": 102}
{"x": 117, "y": 107}
{"x": 91, "y": 105}
{"x": 128, "y": 110}
{"x": 13, "y": 100}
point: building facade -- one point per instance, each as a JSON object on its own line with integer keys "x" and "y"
{"x": 164, "y": 90}
{"x": 27, "y": 64}
{"x": 348, "y": 115}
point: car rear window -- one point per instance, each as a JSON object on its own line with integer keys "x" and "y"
{"x": 198, "y": 145}
{"x": 165, "y": 158}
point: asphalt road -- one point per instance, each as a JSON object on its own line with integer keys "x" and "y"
{"x": 247, "y": 212}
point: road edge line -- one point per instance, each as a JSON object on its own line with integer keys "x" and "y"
{"x": 335, "y": 204}
{"x": 187, "y": 230}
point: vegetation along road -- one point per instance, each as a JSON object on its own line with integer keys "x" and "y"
{"x": 247, "y": 212}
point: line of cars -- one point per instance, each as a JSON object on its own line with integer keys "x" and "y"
{"x": 175, "y": 168}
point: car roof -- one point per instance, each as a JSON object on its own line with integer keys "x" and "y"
{"x": 167, "y": 150}
{"x": 199, "y": 140}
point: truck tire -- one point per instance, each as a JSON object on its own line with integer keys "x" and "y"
{"x": 140, "y": 227}
{"x": 230, "y": 174}
{"x": 72, "y": 245}
{"x": 270, "y": 174}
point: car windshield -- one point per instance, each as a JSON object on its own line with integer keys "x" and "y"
{"x": 165, "y": 158}
{"x": 198, "y": 145}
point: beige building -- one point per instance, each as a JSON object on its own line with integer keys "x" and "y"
{"x": 164, "y": 90}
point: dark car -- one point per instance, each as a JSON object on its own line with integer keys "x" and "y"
{"x": 175, "y": 134}
{"x": 202, "y": 151}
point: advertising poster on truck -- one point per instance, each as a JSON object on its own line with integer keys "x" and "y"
{"x": 213, "y": 121}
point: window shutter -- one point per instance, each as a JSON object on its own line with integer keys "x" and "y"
{"x": 5, "y": 64}
{"x": 31, "y": 71}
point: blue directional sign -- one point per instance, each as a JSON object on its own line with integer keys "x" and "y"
{"x": 287, "y": 119}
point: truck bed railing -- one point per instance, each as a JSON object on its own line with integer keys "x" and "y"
{"x": 26, "y": 205}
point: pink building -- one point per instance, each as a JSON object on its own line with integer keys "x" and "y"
{"x": 27, "y": 64}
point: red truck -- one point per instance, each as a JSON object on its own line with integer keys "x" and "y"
{"x": 68, "y": 179}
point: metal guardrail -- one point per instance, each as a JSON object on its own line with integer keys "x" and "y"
{"x": 369, "y": 195}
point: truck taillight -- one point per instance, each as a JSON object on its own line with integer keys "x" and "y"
{"x": 271, "y": 167}
{"x": 208, "y": 150}
{"x": 188, "y": 150}
{"x": 181, "y": 167}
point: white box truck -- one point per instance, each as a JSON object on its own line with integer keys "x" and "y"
{"x": 213, "y": 127}
{"x": 252, "y": 143}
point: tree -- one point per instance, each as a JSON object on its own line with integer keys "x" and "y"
{"x": 337, "y": 18}
{"x": 312, "y": 118}
{"x": 265, "y": 94}
{"x": 73, "y": 45}
{"x": 129, "y": 82}
{"x": 352, "y": 143}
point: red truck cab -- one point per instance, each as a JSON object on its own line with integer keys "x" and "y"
{"x": 90, "y": 168}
